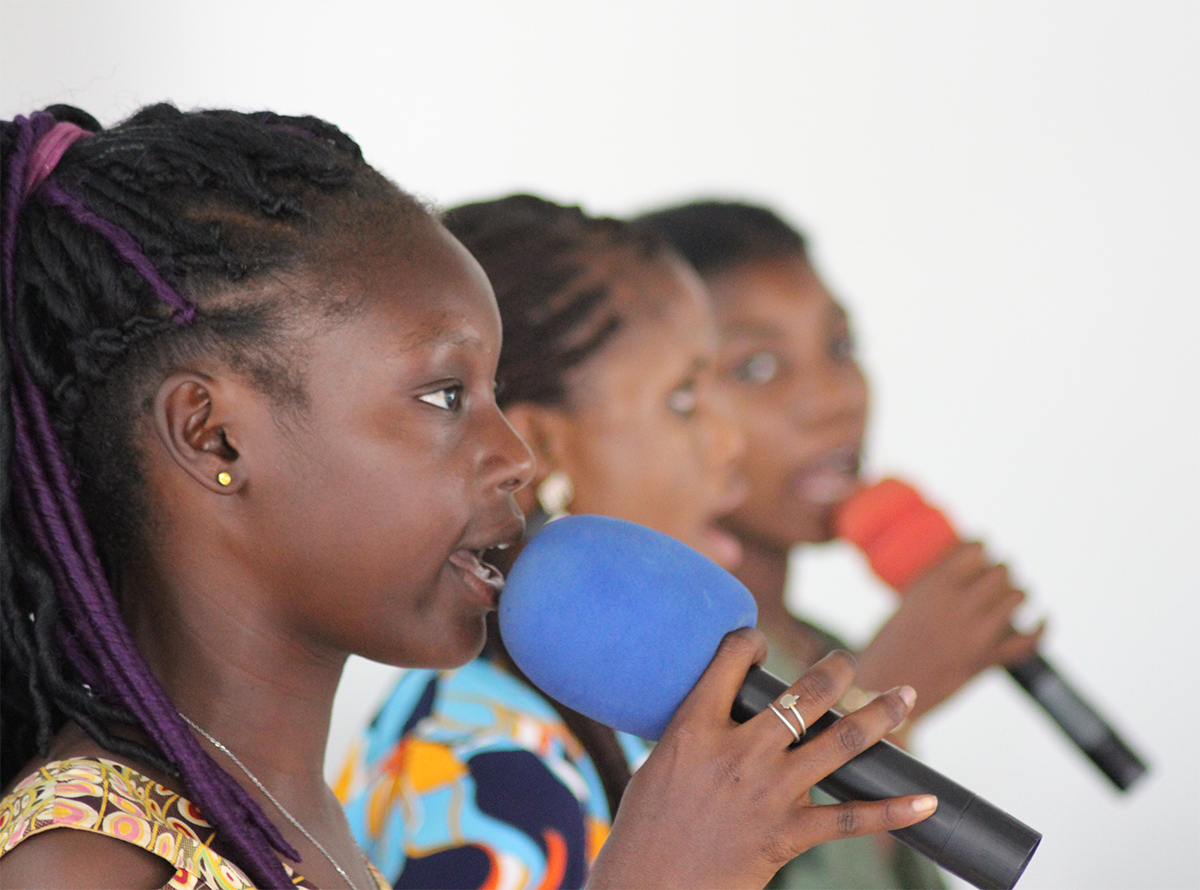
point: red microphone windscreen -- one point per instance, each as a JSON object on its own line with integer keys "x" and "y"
{"x": 898, "y": 532}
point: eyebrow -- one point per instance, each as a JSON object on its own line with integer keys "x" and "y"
{"x": 753, "y": 329}
{"x": 766, "y": 330}
{"x": 445, "y": 332}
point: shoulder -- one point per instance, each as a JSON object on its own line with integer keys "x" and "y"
{"x": 79, "y": 822}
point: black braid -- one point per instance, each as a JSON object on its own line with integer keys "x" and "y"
{"x": 716, "y": 235}
{"x": 541, "y": 258}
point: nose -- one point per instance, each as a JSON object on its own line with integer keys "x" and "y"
{"x": 508, "y": 463}
{"x": 725, "y": 442}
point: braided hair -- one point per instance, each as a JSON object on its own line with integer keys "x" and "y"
{"x": 116, "y": 268}
{"x": 552, "y": 267}
{"x": 716, "y": 235}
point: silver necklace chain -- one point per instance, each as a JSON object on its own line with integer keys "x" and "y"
{"x": 271, "y": 797}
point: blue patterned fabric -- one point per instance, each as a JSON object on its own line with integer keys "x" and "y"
{"x": 469, "y": 778}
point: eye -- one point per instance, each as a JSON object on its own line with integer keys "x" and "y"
{"x": 682, "y": 400}
{"x": 448, "y": 398}
{"x": 757, "y": 369}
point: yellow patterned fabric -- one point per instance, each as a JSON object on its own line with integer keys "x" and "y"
{"x": 109, "y": 798}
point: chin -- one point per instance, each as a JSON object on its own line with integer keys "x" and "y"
{"x": 813, "y": 526}
{"x": 461, "y": 645}
{"x": 814, "y": 533}
{"x": 468, "y": 648}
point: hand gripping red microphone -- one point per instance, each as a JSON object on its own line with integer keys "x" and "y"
{"x": 901, "y": 536}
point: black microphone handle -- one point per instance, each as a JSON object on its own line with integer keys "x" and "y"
{"x": 1079, "y": 720}
{"x": 966, "y": 835}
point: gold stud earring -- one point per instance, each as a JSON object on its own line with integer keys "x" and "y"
{"x": 554, "y": 494}
{"x": 224, "y": 478}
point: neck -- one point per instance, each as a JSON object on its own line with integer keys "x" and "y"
{"x": 764, "y": 570}
{"x": 241, "y": 677}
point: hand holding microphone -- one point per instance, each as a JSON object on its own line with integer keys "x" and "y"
{"x": 954, "y": 619}
{"x": 724, "y": 805}
{"x": 914, "y": 549}
{"x": 621, "y": 623}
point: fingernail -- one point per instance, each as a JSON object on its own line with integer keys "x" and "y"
{"x": 908, "y": 694}
{"x": 926, "y": 803}
{"x": 1028, "y": 618}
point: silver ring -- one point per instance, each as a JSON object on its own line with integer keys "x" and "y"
{"x": 791, "y": 728}
{"x": 789, "y": 701}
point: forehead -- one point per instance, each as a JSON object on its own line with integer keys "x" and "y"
{"x": 663, "y": 292}
{"x": 768, "y": 297}
{"x": 423, "y": 278}
{"x": 667, "y": 330}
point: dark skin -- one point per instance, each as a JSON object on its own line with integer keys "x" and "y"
{"x": 802, "y": 398}
{"x": 350, "y": 524}
{"x": 246, "y": 635}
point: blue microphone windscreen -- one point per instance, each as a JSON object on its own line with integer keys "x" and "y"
{"x": 616, "y": 620}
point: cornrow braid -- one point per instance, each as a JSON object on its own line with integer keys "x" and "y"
{"x": 716, "y": 235}
{"x": 115, "y": 269}
{"x": 542, "y": 259}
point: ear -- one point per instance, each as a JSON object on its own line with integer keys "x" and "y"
{"x": 547, "y": 431}
{"x": 191, "y": 417}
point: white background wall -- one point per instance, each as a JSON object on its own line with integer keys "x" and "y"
{"x": 1007, "y": 195}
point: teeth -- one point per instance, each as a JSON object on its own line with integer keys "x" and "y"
{"x": 485, "y": 572}
{"x": 502, "y": 546}
{"x": 470, "y": 561}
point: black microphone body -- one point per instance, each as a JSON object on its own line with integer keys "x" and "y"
{"x": 1079, "y": 720}
{"x": 966, "y": 835}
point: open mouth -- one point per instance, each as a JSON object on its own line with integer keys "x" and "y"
{"x": 721, "y": 547}
{"x": 829, "y": 480}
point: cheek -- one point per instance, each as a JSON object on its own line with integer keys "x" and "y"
{"x": 627, "y": 474}
{"x": 676, "y": 483}
{"x": 769, "y": 442}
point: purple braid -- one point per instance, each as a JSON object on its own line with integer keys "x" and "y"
{"x": 93, "y": 634}
{"x": 126, "y": 248}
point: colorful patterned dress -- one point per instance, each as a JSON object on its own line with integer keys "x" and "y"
{"x": 469, "y": 778}
{"x": 109, "y": 798}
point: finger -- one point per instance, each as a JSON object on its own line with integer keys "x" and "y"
{"x": 854, "y": 733}
{"x": 1017, "y": 647}
{"x": 817, "y": 690}
{"x": 959, "y": 567}
{"x": 856, "y": 818}
{"x": 798, "y": 707}
{"x": 717, "y": 687}
{"x": 993, "y": 591}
